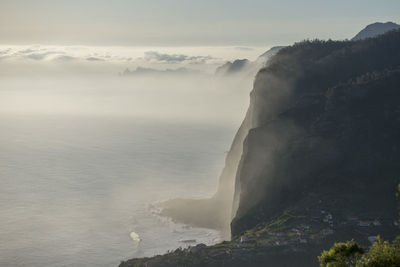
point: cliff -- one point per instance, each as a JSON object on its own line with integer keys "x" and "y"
{"x": 316, "y": 159}
{"x": 323, "y": 118}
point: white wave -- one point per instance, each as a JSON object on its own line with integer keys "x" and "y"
{"x": 135, "y": 237}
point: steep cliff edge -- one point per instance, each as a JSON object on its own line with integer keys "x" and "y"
{"x": 315, "y": 161}
{"x": 323, "y": 118}
{"x": 288, "y": 102}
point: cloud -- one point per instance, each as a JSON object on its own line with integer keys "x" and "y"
{"x": 64, "y": 54}
{"x": 41, "y": 56}
{"x": 36, "y": 53}
{"x": 59, "y": 54}
{"x": 244, "y": 48}
{"x": 94, "y": 59}
{"x": 4, "y": 53}
{"x": 151, "y": 71}
{"x": 154, "y": 56}
{"x": 65, "y": 58}
{"x": 26, "y": 51}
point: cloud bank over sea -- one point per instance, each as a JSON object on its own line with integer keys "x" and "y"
{"x": 17, "y": 59}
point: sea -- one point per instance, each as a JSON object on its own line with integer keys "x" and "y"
{"x": 79, "y": 184}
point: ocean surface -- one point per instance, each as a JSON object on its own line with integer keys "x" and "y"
{"x": 85, "y": 153}
{"x": 74, "y": 187}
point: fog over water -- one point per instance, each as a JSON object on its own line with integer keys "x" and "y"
{"x": 86, "y": 152}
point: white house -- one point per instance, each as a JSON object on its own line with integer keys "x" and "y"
{"x": 327, "y": 231}
{"x": 243, "y": 239}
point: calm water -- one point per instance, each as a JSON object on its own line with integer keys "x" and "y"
{"x": 73, "y": 188}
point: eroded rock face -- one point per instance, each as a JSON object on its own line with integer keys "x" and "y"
{"x": 323, "y": 116}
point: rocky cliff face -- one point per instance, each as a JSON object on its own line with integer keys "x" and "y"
{"x": 324, "y": 117}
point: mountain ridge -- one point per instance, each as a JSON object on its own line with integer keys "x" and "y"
{"x": 375, "y": 29}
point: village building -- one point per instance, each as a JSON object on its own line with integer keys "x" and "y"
{"x": 364, "y": 223}
{"x": 276, "y": 234}
{"x": 315, "y": 219}
{"x": 315, "y": 236}
{"x": 244, "y": 239}
{"x": 299, "y": 233}
{"x": 305, "y": 226}
{"x": 326, "y": 232}
{"x": 281, "y": 243}
{"x": 377, "y": 223}
{"x": 352, "y": 218}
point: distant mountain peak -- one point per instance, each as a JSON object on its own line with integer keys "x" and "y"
{"x": 232, "y": 67}
{"x": 245, "y": 66}
{"x": 375, "y": 29}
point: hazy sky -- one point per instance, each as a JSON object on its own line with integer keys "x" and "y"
{"x": 187, "y": 22}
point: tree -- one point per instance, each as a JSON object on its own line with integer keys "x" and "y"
{"x": 341, "y": 255}
{"x": 350, "y": 254}
{"x": 381, "y": 254}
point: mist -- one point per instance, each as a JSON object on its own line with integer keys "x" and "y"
{"x": 179, "y": 98}
{"x": 87, "y": 151}
{"x": 91, "y": 81}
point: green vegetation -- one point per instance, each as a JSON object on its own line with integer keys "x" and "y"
{"x": 341, "y": 254}
{"x": 381, "y": 254}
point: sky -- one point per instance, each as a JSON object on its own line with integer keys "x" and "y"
{"x": 186, "y": 22}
